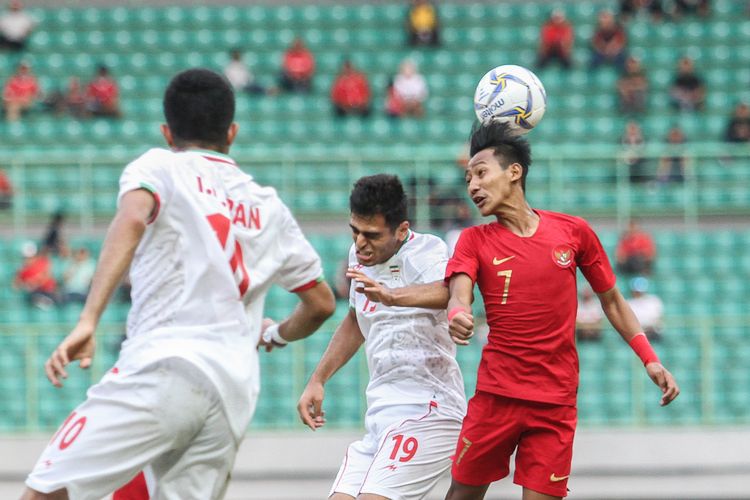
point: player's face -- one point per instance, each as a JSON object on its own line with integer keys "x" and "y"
{"x": 488, "y": 184}
{"x": 374, "y": 241}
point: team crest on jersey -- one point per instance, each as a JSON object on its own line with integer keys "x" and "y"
{"x": 562, "y": 255}
{"x": 395, "y": 273}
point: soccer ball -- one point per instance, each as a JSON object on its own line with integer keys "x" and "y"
{"x": 510, "y": 94}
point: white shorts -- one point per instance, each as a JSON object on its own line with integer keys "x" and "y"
{"x": 166, "y": 420}
{"x": 403, "y": 455}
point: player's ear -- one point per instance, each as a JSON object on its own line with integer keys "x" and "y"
{"x": 516, "y": 171}
{"x": 232, "y": 133}
{"x": 402, "y": 230}
{"x": 167, "y": 135}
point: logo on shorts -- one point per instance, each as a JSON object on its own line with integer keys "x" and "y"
{"x": 562, "y": 255}
{"x": 466, "y": 443}
{"x": 557, "y": 479}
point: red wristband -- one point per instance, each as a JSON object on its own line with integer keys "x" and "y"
{"x": 642, "y": 347}
{"x": 455, "y": 311}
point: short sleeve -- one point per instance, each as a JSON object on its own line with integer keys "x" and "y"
{"x": 301, "y": 268}
{"x": 593, "y": 261}
{"x": 464, "y": 259}
{"x": 148, "y": 172}
{"x": 433, "y": 263}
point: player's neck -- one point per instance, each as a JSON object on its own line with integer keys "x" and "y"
{"x": 519, "y": 218}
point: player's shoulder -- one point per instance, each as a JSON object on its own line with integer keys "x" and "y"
{"x": 154, "y": 157}
{"x": 424, "y": 242}
{"x": 563, "y": 219}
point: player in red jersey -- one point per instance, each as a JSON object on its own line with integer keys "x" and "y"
{"x": 525, "y": 265}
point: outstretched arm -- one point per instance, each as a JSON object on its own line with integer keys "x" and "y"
{"x": 124, "y": 235}
{"x": 622, "y": 318}
{"x": 343, "y": 345}
{"x": 316, "y": 305}
{"x": 428, "y": 295}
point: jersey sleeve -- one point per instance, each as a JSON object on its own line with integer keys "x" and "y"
{"x": 432, "y": 263}
{"x": 593, "y": 260}
{"x": 301, "y": 268}
{"x": 464, "y": 259}
{"x": 148, "y": 172}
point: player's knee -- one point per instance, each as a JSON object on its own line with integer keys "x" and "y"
{"x": 30, "y": 494}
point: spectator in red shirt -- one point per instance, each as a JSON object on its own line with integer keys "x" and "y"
{"x": 298, "y": 68}
{"x": 20, "y": 93}
{"x": 35, "y": 278}
{"x": 6, "y": 191}
{"x": 350, "y": 93}
{"x": 102, "y": 94}
{"x": 636, "y": 250}
{"x": 394, "y": 105}
{"x": 556, "y": 40}
{"x": 609, "y": 42}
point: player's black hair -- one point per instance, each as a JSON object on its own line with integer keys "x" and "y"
{"x": 379, "y": 194}
{"x": 507, "y": 147}
{"x": 199, "y": 107}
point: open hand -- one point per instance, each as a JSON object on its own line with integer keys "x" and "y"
{"x": 374, "y": 291}
{"x": 79, "y": 344}
{"x": 310, "y": 406}
{"x": 665, "y": 381}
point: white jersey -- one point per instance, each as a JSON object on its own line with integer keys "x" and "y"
{"x": 188, "y": 277}
{"x": 410, "y": 355}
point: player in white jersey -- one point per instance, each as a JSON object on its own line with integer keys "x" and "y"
{"x": 415, "y": 396}
{"x": 184, "y": 387}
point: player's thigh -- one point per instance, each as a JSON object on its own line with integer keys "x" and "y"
{"x": 413, "y": 455}
{"x": 126, "y": 422}
{"x": 354, "y": 467}
{"x": 545, "y": 451}
{"x": 490, "y": 433}
{"x": 202, "y": 469}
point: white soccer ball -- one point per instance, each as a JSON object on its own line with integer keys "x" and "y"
{"x": 510, "y": 94}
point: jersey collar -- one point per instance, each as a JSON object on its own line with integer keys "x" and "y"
{"x": 214, "y": 156}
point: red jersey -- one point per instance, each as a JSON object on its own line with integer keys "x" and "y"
{"x": 529, "y": 289}
{"x": 103, "y": 90}
{"x": 21, "y": 87}
{"x": 351, "y": 90}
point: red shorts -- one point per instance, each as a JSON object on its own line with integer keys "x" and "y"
{"x": 495, "y": 426}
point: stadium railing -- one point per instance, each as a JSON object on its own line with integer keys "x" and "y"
{"x": 585, "y": 179}
{"x": 709, "y": 355}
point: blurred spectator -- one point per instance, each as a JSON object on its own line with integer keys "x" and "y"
{"x": 672, "y": 168}
{"x": 683, "y": 7}
{"x": 738, "y": 129}
{"x": 72, "y": 101}
{"x": 411, "y": 88}
{"x": 648, "y": 308}
{"x": 632, "y": 142}
{"x": 589, "y": 316}
{"x": 53, "y": 242}
{"x": 350, "y": 93}
{"x": 459, "y": 219}
{"x": 422, "y": 23}
{"x": 394, "y": 106}
{"x": 609, "y": 42}
{"x": 688, "y": 91}
{"x": 6, "y": 191}
{"x": 239, "y": 75}
{"x": 632, "y": 87}
{"x": 35, "y": 279}
{"x": 630, "y": 8}
{"x": 15, "y": 27}
{"x": 636, "y": 251}
{"x": 77, "y": 276}
{"x": 20, "y": 93}
{"x": 298, "y": 68}
{"x": 102, "y": 94}
{"x": 556, "y": 40}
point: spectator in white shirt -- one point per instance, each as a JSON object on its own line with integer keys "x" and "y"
{"x": 648, "y": 308}
{"x": 239, "y": 75}
{"x": 411, "y": 88}
{"x": 589, "y": 316}
{"x": 15, "y": 27}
